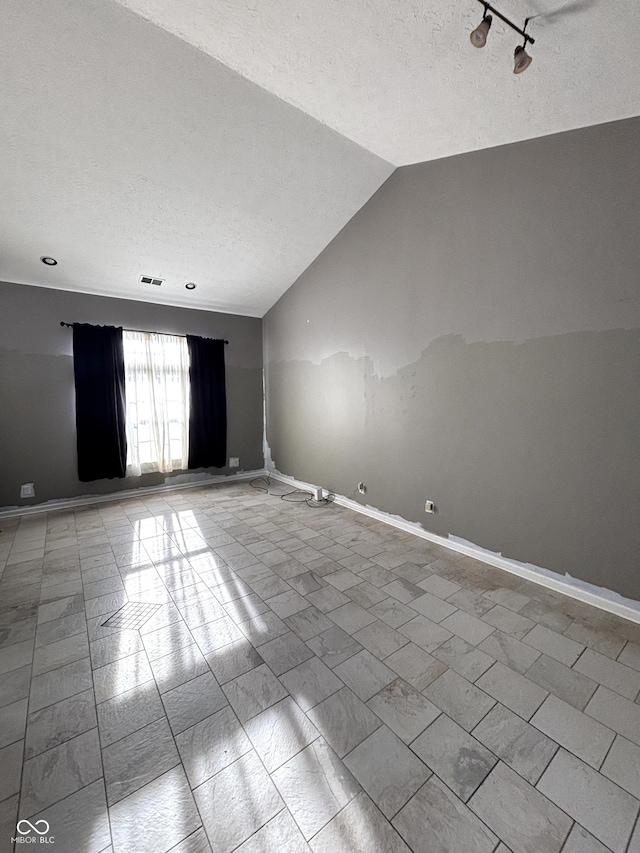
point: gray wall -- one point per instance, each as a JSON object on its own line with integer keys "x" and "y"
{"x": 473, "y": 337}
{"x": 37, "y": 409}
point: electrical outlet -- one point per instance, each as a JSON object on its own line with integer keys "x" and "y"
{"x": 27, "y": 490}
{"x": 429, "y": 506}
{"x": 234, "y": 462}
{"x": 317, "y": 494}
{"x": 362, "y": 488}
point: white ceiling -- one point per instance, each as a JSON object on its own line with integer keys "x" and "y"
{"x": 400, "y": 77}
{"x": 226, "y": 142}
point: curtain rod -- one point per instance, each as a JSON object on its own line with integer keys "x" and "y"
{"x": 140, "y": 331}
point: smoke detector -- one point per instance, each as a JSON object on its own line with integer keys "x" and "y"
{"x": 149, "y": 279}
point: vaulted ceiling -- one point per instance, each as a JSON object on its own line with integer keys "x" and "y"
{"x": 226, "y": 142}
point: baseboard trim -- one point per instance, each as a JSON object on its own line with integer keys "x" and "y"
{"x": 87, "y": 500}
{"x": 600, "y": 597}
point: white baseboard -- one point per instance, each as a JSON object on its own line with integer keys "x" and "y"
{"x": 588, "y": 593}
{"x": 86, "y": 500}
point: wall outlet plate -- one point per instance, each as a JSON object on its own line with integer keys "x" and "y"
{"x": 27, "y": 490}
{"x": 362, "y": 488}
{"x": 234, "y": 462}
{"x": 429, "y": 506}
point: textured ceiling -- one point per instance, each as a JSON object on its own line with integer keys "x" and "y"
{"x": 125, "y": 151}
{"x": 226, "y": 142}
{"x": 400, "y": 78}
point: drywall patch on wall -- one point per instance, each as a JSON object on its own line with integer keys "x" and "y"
{"x": 530, "y": 450}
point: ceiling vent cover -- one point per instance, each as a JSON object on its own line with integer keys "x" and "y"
{"x": 149, "y": 279}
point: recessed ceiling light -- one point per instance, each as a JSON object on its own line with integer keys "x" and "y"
{"x": 190, "y": 286}
{"x": 50, "y": 262}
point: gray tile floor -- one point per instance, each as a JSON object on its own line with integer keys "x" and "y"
{"x": 301, "y": 680}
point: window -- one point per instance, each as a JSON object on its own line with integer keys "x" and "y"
{"x": 157, "y": 393}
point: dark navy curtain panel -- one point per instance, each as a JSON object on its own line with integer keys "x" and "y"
{"x": 98, "y": 364}
{"x": 208, "y": 404}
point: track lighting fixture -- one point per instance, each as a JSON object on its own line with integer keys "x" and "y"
{"x": 478, "y": 37}
{"x": 522, "y": 60}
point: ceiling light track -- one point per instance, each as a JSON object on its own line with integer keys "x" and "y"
{"x": 525, "y": 35}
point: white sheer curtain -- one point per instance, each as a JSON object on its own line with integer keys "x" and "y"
{"x": 157, "y": 389}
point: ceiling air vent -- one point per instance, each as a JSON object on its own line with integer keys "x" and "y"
{"x": 148, "y": 279}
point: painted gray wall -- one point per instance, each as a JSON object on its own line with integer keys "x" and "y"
{"x": 37, "y": 408}
{"x": 473, "y": 337}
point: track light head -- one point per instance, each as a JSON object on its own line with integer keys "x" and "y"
{"x": 479, "y": 35}
{"x": 522, "y": 60}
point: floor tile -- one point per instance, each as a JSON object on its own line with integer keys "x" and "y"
{"x": 308, "y": 623}
{"x": 342, "y": 579}
{"x": 311, "y": 682}
{"x": 394, "y": 613}
{"x": 366, "y": 595}
{"x": 178, "y": 667}
{"x": 139, "y": 758}
{"x": 262, "y": 628}
{"x": 432, "y": 607}
{"x": 508, "y": 598}
{"x": 129, "y": 711}
{"x": 193, "y": 701}
{"x": 455, "y": 756}
{"x": 344, "y": 720}
{"x": 507, "y": 621}
{"x": 253, "y": 692}
{"x": 327, "y": 599}
{"x": 520, "y": 816}
{"x": 121, "y": 675}
{"x": 358, "y": 827}
{"x": 233, "y": 660}
{"x": 521, "y": 746}
{"x": 512, "y": 689}
{"x": 11, "y": 763}
{"x": 622, "y": 765}
{"x": 60, "y": 722}
{"x": 467, "y": 660}
{"x": 435, "y": 820}
{"x": 387, "y": 769}
{"x": 334, "y": 646}
{"x": 425, "y": 633}
{"x": 139, "y": 822}
{"x": 13, "y": 721}
{"x": 351, "y": 617}
{"x": 287, "y": 603}
{"x": 416, "y": 666}
{"x": 380, "y": 639}
{"x": 464, "y": 625}
{"x": 211, "y": 745}
{"x": 616, "y": 712}
{"x": 612, "y": 674}
{"x": 59, "y": 653}
{"x": 281, "y": 834}
{"x": 59, "y": 772}
{"x": 59, "y": 684}
{"x": 599, "y": 805}
{"x": 605, "y": 642}
{"x": 462, "y": 701}
{"x": 236, "y": 802}
{"x": 280, "y": 732}
{"x": 115, "y": 646}
{"x": 578, "y": 733}
{"x": 195, "y": 843}
{"x": 80, "y": 821}
{"x": 630, "y": 656}
{"x": 16, "y": 656}
{"x": 406, "y": 711}
{"x": 365, "y": 674}
{"x": 563, "y": 682}
{"x": 441, "y": 587}
{"x": 554, "y": 645}
{"x": 315, "y": 785}
{"x": 580, "y": 841}
{"x": 215, "y": 635}
{"x": 285, "y": 652}
{"x": 166, "y": 640}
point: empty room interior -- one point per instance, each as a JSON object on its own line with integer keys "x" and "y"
{"x": 320, "y": 426}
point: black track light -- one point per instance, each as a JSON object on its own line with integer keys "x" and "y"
{"x": 478, "y": 38}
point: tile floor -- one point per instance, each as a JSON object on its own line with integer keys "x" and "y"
{"x": 301, "y": 680}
